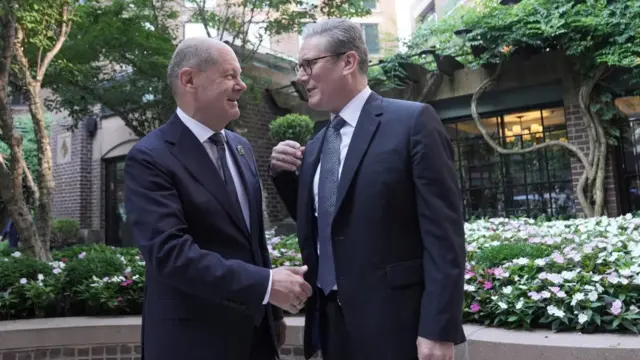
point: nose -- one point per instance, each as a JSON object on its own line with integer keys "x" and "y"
{"x": 301, "y": 76}
{"x": 241, "y": 86}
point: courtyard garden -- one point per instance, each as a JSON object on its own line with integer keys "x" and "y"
{"x": 570, "y": 275}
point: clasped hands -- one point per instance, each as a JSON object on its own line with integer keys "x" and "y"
{"x": 289, "y": 291}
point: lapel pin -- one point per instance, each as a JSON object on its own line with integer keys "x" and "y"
{"x": 240, "y": 150}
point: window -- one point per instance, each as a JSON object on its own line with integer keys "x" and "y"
{"x": 531, "y": 184}
{"x": 257, "y": 35}
{"x": 371, "y": 4}
{"x": 192, "y": 4}
{"x": 18, "y": 99}
{"x": 197, "y": 30}
{"x": 629, "y": 156}
{"x": 371, "y": 38}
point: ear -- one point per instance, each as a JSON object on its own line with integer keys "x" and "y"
{"x": 351, "y": 62}
{"x": 186, "y": 79}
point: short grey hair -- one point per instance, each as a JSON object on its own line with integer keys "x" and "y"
{"x": 194, "y": 53}
{"x": 341, "y": 35}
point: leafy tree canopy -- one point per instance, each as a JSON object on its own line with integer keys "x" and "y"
{"x": 119, "y": 50}
{"x": 591, "y": 33}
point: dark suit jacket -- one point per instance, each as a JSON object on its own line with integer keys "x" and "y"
{"x": 398, "y": 231}
{"x": 206, "y": 274}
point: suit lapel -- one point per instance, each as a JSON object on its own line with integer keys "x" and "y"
{"x": 311, "y": 161}
{"x": 247, "y": 174}
{"x": 365, "y": 129}
{"x": 190, "y": 151}
{"x": 249, "y": 181}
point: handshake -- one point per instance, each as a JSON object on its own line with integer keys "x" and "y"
{"x": 289, "y": 291}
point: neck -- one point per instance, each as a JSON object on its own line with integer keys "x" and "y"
{"x": 203, "y": 117}
{"x": 351, "y": 91}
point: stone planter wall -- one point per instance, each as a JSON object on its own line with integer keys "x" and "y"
{"x": 93, "y": 338}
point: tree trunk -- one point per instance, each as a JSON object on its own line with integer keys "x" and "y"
{"x": 45, "y": 176}
{"x": 11, "y": 173}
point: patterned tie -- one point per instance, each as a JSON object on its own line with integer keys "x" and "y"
{"x": 327, "y": 189}
{"x": 218, "y": 140}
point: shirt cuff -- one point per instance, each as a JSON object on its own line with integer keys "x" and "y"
{"x": 266, "y": 297}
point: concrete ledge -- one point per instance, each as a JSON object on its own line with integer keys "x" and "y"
{"x": 118, "y": 338}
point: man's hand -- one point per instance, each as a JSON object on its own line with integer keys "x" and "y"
{"x": 282, "y": 332}
{"x": 434, "y": 350}
{"x": 286, "y": 156}
{"x": 289, "y": 291}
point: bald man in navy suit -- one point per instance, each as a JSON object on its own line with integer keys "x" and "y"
{"x": 194, "y": 203}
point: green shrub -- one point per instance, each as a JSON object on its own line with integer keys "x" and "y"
{"x": 294, "y": 127}
{"x": 12, "y": 269}
{"x": 64, "y": 232}
{"x": 96, "y": 264}
{"x": 496, "y": 255}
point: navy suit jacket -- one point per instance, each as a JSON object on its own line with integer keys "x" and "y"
{"x": 206, "y": 273}
{"x": 398, "y": 231}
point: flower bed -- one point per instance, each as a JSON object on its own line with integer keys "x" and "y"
{"x": 564, "y": 275}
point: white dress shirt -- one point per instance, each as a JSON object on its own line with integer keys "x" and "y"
{"x": 203, "y": 134}
{"x": 350, "y": 113}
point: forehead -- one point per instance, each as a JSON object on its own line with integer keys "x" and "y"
{"x": 227, "y": 60}
{"x": 312, "y": 48}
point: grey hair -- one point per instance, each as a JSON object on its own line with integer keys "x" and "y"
{"x": 194, "y": 53}
{"x": 341, "y": 35}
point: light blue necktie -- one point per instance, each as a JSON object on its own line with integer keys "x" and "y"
{"x": 327, "y": 189}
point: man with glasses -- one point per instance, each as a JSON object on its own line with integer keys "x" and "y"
{"x": 378, "y": 211}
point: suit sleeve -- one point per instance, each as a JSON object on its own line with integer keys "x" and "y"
{"x": 286, "y": 184}
{"x": 441, "y": 222}
{"x": 157, "y": 221}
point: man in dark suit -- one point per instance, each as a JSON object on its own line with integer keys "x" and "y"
{"x": 378, "y": 211}
{"x": 193, "y": 200}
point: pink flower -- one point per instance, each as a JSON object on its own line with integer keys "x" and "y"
{"x": 474, "y": 308}
{"x": 488, "y": 285}
{"x": 126, "y": 282}
{"x": 616, "y": 307}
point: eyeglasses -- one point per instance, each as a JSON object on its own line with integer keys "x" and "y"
{"x": 307, "y": 65}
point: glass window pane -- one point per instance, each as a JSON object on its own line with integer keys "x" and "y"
{"x": 372, "y": 38}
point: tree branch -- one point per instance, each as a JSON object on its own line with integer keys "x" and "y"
{"x": 474, "y": 112}
{"x": 31, "y": 185}
{"x": 65, "y": 27}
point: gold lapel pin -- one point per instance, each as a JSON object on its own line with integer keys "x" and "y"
{"x": 240, "y": 150}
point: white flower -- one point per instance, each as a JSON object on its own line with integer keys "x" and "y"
{"x": 540, "y": 262}
{"x": 582, "y": 318}
{"x": 23, "y": 281}
{"x": 507, "y": 290}
{"x": 552, "y": 310}
{"x": 577, "y": 297}
{"x": 40, "y": 277}
{"x": 593, "y": 296}
{"x": 16, "y": 254}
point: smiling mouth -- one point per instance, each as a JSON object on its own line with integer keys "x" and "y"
{"x": 233, "y": 101}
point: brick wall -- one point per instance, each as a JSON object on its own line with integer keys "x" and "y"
{"x": 109, "y": 352}
{"x": 253, "y": 124}
{"x": 577, "y": 135}
{"x": 73, "y": 179}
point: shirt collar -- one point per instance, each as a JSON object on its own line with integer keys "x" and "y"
{"x": 202, "y": 132}
{"x": 351, "y": 112}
